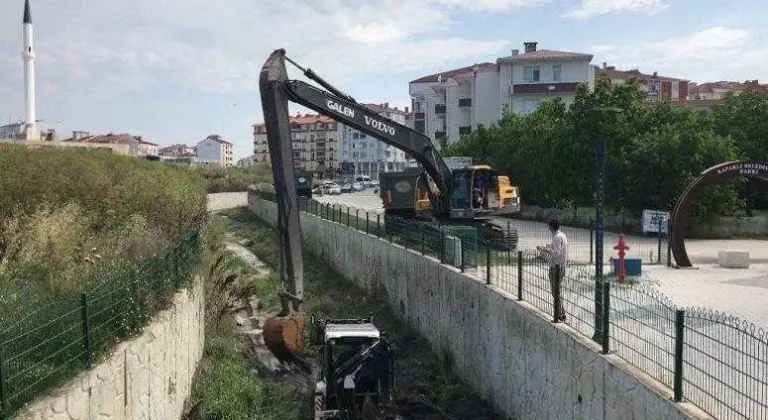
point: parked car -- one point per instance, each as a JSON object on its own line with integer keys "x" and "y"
{"x": 365, "y": 180}
{"x": 331, "y": 188}
{"x": 346, "y": 187}
{"x": 356, "y": 186}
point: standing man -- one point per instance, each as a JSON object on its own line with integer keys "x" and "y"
{"x": 557, "y": 255}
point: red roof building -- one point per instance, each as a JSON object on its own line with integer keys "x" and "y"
{"x": 656, "y": 87}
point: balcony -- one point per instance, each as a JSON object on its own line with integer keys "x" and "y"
{"x": 465, "y": 130}
{"x": 439, "y": 109}
{"x": 440, "y": 134}
{"x": 465, "y": 102}
{"x": 418, "y": 115}
{"x": 539, "y": 87}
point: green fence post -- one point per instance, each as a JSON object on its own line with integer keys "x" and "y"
{"x": 357, "y": 219}
{"x": 367, "y": 223}
{"x": 606, "y": 338}
{"x": 488, "y": 265}
{"x": 3, "y": 390}
{"x": 86, "y": 330}
{"x": 519, "y": 275}
{"x": 378, "y": 225}
{"x": 442, "y": 245}
{"x": 422, "y": 240}
{"x": 333, "y": 213}
{"x": 679, "y": 333}
{"x": 347, "y": 216}
{"x": 461, "y": 242}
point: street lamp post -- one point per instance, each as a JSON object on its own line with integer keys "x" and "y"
{"x": 600, "y": 151}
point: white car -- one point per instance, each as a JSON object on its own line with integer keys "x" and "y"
{"x": 356, "y": 186}
{"x": 331, "y": 188}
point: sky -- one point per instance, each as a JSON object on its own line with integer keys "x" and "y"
{"x": 175, "y": 71}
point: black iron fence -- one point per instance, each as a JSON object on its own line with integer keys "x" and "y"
{"x": 715, "y": 361}
{"x": 44, "y": 347}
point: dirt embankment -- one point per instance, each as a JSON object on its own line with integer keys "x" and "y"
{"x": 426, "y": 387}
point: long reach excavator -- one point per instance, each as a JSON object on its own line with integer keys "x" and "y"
{"x": 356, "y": 370}
{"x": 433, "y": 195}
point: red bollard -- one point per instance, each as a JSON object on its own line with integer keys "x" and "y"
{"x": 621, "y": 247}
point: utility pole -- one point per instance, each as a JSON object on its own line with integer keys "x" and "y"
{"x": 600, "y": 151}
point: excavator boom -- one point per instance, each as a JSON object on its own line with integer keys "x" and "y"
{"x": 276, "y": 119}
{"x": 344, "y": 109}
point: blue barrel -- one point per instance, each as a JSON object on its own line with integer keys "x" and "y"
{"x": 632, "y": 266}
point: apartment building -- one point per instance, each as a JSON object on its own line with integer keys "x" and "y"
{"x": 135, "y": 145}
{"x": 655, "y": 87}
{"x": 214, "y": 150}
{"x": 365, "y": 155}
{"x": 720, "y": 90}
{"x": 453, "y": 103}
{"x": 314, "y": 139}
{"x": 177, "y": 150}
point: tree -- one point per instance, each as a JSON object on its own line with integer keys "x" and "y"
{"x": 653, "y": 150}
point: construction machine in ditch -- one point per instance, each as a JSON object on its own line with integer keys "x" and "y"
{"x": 356, "y": 367}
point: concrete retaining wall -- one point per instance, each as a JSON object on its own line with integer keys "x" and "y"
{"x": 508, "y": 351}
{"x": 229, "y": 200}
{"x": 148, "y": 377}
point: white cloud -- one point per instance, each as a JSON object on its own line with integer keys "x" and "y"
{"x": 218, "y": 46}
{"x": 715, "y": 53}
{"x": 589, "y": 8}
{"x": 490, "y": 5}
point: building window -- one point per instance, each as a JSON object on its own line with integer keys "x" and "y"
{"x": 529, "y": 106}
{"x": 557, "y": 73}
{"x": 531, "y": 73}
{"x": 418, "y": 125}
{"x": 465, "y": 101}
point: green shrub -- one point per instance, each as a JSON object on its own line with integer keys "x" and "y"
{"x": 218, "y": 179}
{"x": 68, "y": 215}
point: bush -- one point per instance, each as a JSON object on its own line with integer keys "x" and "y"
{"x": 66, "y": 215}
{"x": 218, "y": 179}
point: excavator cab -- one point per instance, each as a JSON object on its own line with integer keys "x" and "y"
{"x": 479, "y": 190}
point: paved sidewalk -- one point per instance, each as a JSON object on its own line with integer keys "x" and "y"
{"x": 739, "y": 292}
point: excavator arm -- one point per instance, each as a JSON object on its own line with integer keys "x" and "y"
{"x": 344, "y": 109}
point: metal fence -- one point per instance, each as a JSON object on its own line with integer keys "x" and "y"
{"x": 42, "y": 348}
{"x": 648, "y": 243}
{"x": 717, "y": 362}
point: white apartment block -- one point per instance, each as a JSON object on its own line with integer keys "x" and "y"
{"x": 213, "y": 150}
{"x": 450, "y": 104}
{"x": 315, "y": 142}
{"x": 365, "y": 155}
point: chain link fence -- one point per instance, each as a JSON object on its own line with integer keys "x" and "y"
{"x": 715, "y": 361}
{"x": 44, "y": 347}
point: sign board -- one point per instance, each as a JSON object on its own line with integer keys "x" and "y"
{"x": 651, "y": 220}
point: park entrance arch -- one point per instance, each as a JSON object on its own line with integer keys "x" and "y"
{"x": 711, "y": 176}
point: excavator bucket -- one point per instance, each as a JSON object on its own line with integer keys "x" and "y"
{"x": 283, "y": 333}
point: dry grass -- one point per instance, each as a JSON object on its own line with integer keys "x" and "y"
{"x": 67, "y": 215}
